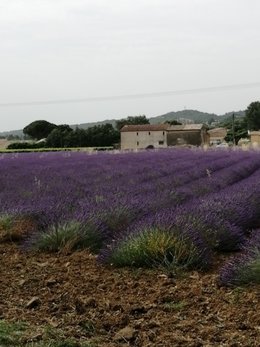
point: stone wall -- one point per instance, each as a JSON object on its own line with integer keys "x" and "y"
{"x": 143, "y": 139}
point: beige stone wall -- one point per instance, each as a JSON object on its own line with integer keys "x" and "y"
{"x": 217, "y": 135}
{"x": 204, "y": 137}
{"x": 189, "y": 137}
{"x": 255, "y": 138}
{"x": 216, "y": 138}
{"x": 142, "y": 139}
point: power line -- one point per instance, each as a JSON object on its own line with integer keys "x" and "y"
{"x": 134, "y": 96}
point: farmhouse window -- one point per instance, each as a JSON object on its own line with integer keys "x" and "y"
{"x": 137, "y": 143}
{"x": 163, "y": 133}
{"x": 137, "y": 134}
{"x": 161, "y": 142}
{"x": 149, "y": 133}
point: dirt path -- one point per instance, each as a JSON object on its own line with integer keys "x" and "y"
{"x": 124, "y": 307}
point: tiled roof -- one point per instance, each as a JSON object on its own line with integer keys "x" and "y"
{"x": 145, "y": 127}
{"x": 185, "y": 127}
{"x": 160, "y": 127}
{"x": 217, "y": 130}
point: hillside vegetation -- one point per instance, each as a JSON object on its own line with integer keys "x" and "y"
{"x": 193, "y": 115}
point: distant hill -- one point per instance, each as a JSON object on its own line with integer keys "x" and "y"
{"x": 88, "y": 125}
{"x": 185, "y": 116}
{"x": 238, "y": 114}
{"x": 193, "y": 116}
{"x": 12, "y": 132}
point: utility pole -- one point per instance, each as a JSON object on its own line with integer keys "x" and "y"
{"x": 233, "y": 128}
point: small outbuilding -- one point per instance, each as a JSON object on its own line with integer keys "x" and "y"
{"x": 255, "y": 138}
{"x": 187, "y": 134}
{"x": 217, "y": 135}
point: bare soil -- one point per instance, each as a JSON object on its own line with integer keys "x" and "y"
{"x": 124, "y": 307}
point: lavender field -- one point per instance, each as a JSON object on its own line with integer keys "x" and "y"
{"x": 169, "y": 208}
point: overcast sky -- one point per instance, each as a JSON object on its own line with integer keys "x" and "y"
{"x": 72, "y": 49}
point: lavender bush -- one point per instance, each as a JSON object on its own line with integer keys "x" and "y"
{"x": 67, "y": 237}
{"x": 158, "y": 239}
{"x": 243, "y": 269}
{"x": 217, "y": 232}
{"x": 157, "y": 246}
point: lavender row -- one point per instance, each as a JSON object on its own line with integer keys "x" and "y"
{"x": 76, "y": 184}
{"x": 179, "y": 199}
{"x": 243, "y": 269}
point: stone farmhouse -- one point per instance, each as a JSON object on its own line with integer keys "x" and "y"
{"x": 163, "y": 135}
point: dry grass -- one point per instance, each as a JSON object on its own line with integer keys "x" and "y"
{"x": 4, "y": 143}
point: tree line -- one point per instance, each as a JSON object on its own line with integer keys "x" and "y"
{"x": 63, "y": 136}
{"x": 240, "y": 126}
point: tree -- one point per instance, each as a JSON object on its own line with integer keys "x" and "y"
{"x": 39, "y": 129}
{"x": 77, "y": 138}
{"x": 240, "y": 129}
{"x": 253, "y": 116}
{"x": 132, "y": 120}
{"x": 172, "y": 122}
{"x": 13, "y": 137}
{"x": 102, "y": 135}
{"x": 97, "y": 136}
{"x": 64, "y": 127}
{"x": 58, "y": 136}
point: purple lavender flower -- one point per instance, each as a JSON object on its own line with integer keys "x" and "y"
{"x": 211, "y": 197}
{"x": 244, "y": 268}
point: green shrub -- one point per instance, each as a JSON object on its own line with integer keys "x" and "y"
{"x": 26, "y": 145}
{"x": 154, "y": 247}
{"x": 6, "y": 221}
{"x": 69, "y": 236}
